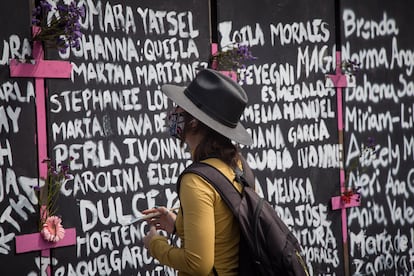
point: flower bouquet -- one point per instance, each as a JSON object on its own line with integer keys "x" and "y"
{"x": 50, "y": 225}
{"x": 368, "y": 152}
{"x": 231, "y": 59}
{"x": 350, "y": 67}
{"x": 59, "y": 25}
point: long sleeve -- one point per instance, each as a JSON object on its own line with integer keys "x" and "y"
{"x": 197, "y": 255}
{"x": 208, "y": 231}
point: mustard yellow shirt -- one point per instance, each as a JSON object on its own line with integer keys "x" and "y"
{"x": 208, "y": 231}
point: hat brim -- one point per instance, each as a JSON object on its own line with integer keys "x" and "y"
{"x": 238, "y": 134}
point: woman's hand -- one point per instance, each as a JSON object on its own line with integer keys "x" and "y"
{"x": 151, "y": 233}
{"x": 165, "y": 220}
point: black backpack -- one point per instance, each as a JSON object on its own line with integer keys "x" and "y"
{"x": 267, "y": 246}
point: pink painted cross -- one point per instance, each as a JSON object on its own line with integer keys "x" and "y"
{"x": 340, "y": 81}
{"x": 40, "y": 70}
{"x": 35, "y": 242}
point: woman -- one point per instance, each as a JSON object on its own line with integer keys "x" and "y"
{"x": 207, "y": 119}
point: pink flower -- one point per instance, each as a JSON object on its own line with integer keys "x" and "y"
{"x": 53, "y": 230}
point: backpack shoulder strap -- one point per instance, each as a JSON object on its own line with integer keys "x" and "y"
{"x": 219, "y": 181}
{"x": 246, "y": 176}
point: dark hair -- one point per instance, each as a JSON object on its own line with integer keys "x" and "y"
{"x": 213, "y": 144}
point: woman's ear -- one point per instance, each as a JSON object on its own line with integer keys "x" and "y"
{"x": 193, "y": 123}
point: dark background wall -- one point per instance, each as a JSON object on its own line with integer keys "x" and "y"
{"x": 381, "y": 106}
{"x": 18, "y": 157}
{"x": 125, "y": 162}
{"x": 293, "y": 118}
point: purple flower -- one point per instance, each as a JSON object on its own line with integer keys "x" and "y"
{"x": 77, "y": 28}
{"x": 65, "y": 168}
{"x": 62, "y": 50}
{"x": 36, "y": 188}
{"x": 77, "y": 34}
{"x": 64, "y": 28}
{"x": 81, "y": 11}
{"x": 46, "y": 6}
{"x": 371, "y": 142}
{"x": 75, "y": 43}
{"x": 233, "y": 58}
{"x": 62, "y": 8}
{"x": 36, "y": 11}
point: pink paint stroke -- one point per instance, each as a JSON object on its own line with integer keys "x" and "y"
{"x": 214, "y": 48}
{"x": 41, "y": 127}
{"x": 41, "y": 69}
{"x": 230, "y": 74}
{"x": 35, "y": 241}
{"x": 340, "y": 81}
{"x": 339, "y": 92}
{"x": 337, "y": 202}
